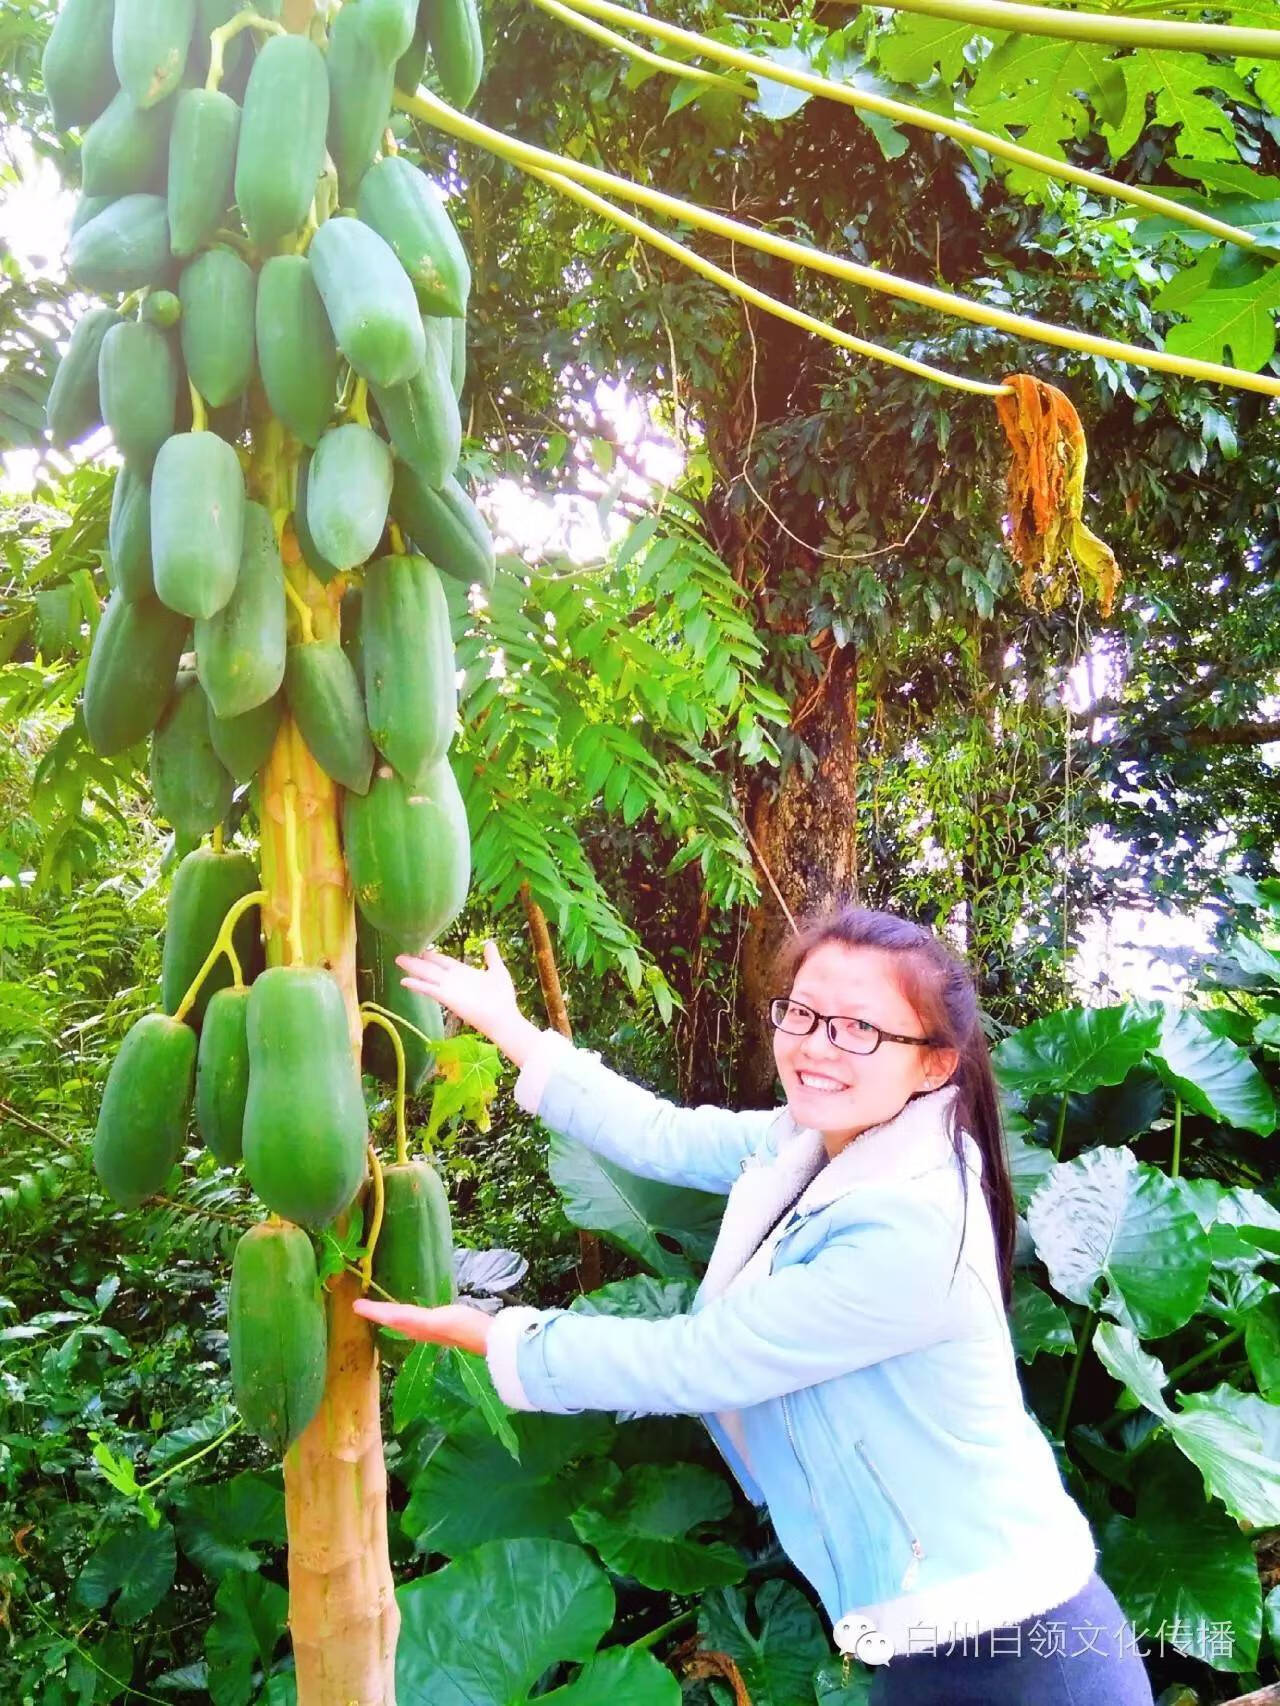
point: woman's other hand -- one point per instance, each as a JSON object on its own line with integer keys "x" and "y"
{"x": 482, "y": 997}
{"x": 451, "y": 1324}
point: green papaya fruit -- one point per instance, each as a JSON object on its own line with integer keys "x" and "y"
{"x": 129, "y": 535}
{"x": 445, "y": 526}
{"x": 413, "y": 1258}
{"x": 125, "y": 149}
{"x": 191, "y": 785}
{"x": 277, "y": 1332}
{"x": 217, "y": 292}
{"x": 205, "y": 887}
{"x": 324, "y": 696}
{"x": 138, "y": 389}
{"x": 422, "y": 420}
{"x": 361, "y": 84}
{"x": 149, "y": 42}
{"x": 369, "y": 300}
{"x": 197, "y": 522}
{"x": 305, "y": 1128}
{"x": 391, "y": 24}
{"x": 378, "y": 978}
{"x": 404, "y": 207}
{"x": 124, "y": 247}
{"x": 409, "y": 853}
{"x": 79, "y": 75}
{"x": 297, "y": 356}
{"x": 132, "y": 667}
{"x": 348, "y": 494}
{"x": 280, "y": 151}
{"x": 160, "y": 308}
{"x": 457, "y": 50}
{"x": 222, "y": 1075}
{"x": 73, "y": 409}
{"x": 202, "y": 160}
{"x": 410, "y": 671}
{"x": 319, "y": 565}
{"x": 411, "y": 66}
{"x": 142, "y": 1122}
{"x": 240, "y": 650}
{"x": 244, "y": 743}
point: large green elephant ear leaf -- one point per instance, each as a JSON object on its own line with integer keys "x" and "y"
{"x": 470, "y": 1489}
{"x": 485, "y": 1629}
{"x": 642, "y": 1524}
{"x": 776, "y": 1641}
{"x": 1078, "y": 1049}
{"x": 1184, "y": 1574}
{"x": 1120, "y": 1236}
{"x": 644, "y": 1297}
{"x": 619, "y": 1674}
{"x": 1212, "y": 1074}
{"x": 637, "y": 1214}
{"x": 1229, "y": 1442}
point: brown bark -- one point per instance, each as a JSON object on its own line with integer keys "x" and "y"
{"x": 589, "y": 1269}
{"x": 805, "y": 839}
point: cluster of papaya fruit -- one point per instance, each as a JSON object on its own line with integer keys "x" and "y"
{"x": 275, "y": 273}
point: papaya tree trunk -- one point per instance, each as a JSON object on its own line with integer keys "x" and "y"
{"x": 343, "y": 1616}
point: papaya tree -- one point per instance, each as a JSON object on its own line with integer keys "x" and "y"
{"x": 277, "y": 347}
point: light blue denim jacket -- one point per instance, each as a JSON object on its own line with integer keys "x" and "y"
{"x": 876, "y": 1390}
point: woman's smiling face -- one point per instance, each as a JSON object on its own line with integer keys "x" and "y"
{"x": 832, "y": 1090}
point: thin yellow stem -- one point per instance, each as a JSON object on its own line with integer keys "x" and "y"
{"x": 237, "y": 971}
{"x": 642, "y": 56}
{"x": 400, "y": 1020}
{"x": 425, "y": 105}
{"x": 901, "y": 112}
{"x": 304, "y": 611}
{"x": 358, "y": 409}
{"x": 771, "y": 305}
{"x": 218, "y": 39}
{"x": 295, "y": 874}
{"x": 186, "y": 1462}
{"x": 221, "y": 945}
{"x": 1098, "y": 26}
{"x": 397, "y": 540}
{"x": 373, "y": 1017}
{"x": 217, "y": 838}
{"x": 379, "y": 1203}
{"x": 199, "y": 419}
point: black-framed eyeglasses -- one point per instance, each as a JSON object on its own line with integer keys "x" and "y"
{"x": 855, "y": 1036}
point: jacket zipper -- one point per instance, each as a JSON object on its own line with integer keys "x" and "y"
{"x": 835, "y": 1574}
{"x": 917, "y": 1549}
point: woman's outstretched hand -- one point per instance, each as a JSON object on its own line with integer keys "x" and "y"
{"x": 451, "y": 1324}
{"x": 483, "y": 997}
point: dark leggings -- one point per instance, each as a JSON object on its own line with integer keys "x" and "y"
{"x": 1082, "y": 1653}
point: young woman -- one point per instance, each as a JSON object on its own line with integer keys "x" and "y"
{"x": 848, "y": 1348}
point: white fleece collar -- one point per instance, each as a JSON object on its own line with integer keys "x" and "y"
{"x": 913, "y": 1142}
{"x": 916, "y": 1140}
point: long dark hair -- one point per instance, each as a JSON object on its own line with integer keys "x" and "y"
{"x": 940, "y": 987}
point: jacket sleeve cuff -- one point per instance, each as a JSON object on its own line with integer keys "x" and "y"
{"x": 550, "y": 1050}
{"x": 506, "y": 1329}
